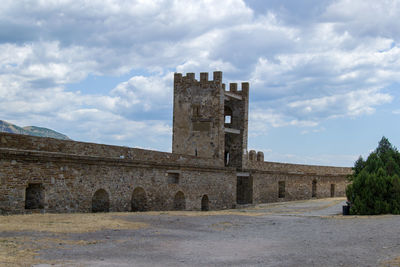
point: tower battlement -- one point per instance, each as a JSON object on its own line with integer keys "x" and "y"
{"x": 233, "y": 88}
{"x": 190, "y": 78}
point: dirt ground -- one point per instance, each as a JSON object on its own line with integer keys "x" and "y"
{"x": 301, "y": 233}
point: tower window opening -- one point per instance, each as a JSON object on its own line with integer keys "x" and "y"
{"x": 227, "y": 158}
{"x": 228, "y": 115}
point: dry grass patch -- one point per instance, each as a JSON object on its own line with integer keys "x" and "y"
{"x": 392, "y": 263}
{"x": 67, "y": 223}
{"x": 13, "y": 253}
{"x": 23, "y": 250}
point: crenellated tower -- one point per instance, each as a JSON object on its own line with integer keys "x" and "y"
{"x": 210, "y": 121}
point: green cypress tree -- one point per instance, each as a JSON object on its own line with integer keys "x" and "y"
{"x": 375, "y": 187}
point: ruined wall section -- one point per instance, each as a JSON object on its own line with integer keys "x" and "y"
{"x": 236, "y": 104}
{"x": 198, "y": 116}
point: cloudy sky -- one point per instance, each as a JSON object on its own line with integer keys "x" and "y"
{"x": 324, "y": 74}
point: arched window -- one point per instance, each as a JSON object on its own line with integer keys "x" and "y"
{"x": 100, "y": 201}
{"x": 139, "y": 200}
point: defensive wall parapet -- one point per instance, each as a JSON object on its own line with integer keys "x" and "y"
{"x": 301, "y": 169}
{"x": 68, "y": 147}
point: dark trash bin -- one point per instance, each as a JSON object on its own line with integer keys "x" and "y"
{"x": 346, "y": 210}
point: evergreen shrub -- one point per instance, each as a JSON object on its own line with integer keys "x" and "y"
{"x": 375, "y": 182}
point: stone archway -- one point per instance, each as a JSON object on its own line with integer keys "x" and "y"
{"x": 100, "y": 201}
{"x": 179, "y": 201}
{"x": 205, "y": 203}
{"x": 139, "y": 200}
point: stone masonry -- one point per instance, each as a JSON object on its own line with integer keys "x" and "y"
{"x": 209, "y": 167}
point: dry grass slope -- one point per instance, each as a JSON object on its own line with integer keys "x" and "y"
{"x": 67, "y": 223}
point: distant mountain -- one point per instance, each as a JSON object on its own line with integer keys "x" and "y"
{"x": 31, "y": 130}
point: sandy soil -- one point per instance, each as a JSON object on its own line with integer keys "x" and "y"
{"x": 301, "y": 233}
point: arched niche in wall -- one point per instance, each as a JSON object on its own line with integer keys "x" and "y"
{"x": 179, "y": 201}
{"x": 34, "y": 196}
{"x": 139, "y": 200}
{"x": 101, "y": 201}
{"x": 205, "y": 203}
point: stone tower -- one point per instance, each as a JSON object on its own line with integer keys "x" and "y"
{"x": 210, "y": 121}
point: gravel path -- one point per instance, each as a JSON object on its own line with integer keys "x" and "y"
{"x": 302, "y": 233}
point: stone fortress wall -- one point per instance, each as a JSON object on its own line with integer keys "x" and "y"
{"x": 273, "y": 181}
{"x": 209, "y": 167}
{"x": 70, "y": 173}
